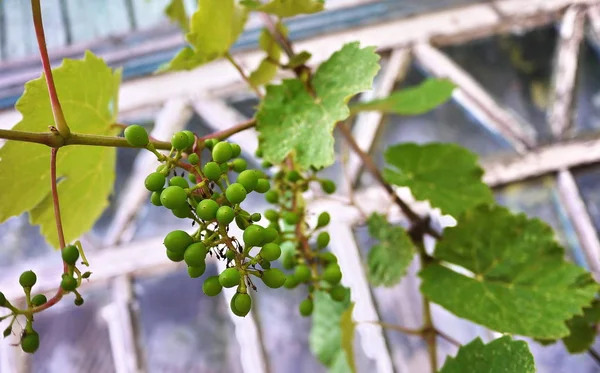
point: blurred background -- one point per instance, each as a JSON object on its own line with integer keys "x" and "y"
{"x": 528, "y": 103}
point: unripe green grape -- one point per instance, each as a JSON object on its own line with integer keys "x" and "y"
{"x": 215, "y": 196}
{"x": 155, "y": 199}
{"x": 293, "y": 176}
{"x": 262, "y": 186}
{"x": 270, "y": 234}
{"x": 323, "y": 240}
{"x": 195, "y": 272}
{"x": 271, "y": 215}
{"x": 212, "y": 286}
{"x": 180, "y": 141}
{"x": 210, "y": 143}
{"x": 270, "y": 252}
{"x": 136, "y": 135}
{"x": 212, "y": 171}
{"x": 195, "y": 254}
{"x": 328, "y": 258}
{"x": 225, "y": 215}
{"x": 235, "y": 150}
{"x": 290, "y": 217}
{"x": 173, "y": 197}
{"x": 192, "y": 178}
{"x": 224, "y": 167}
{"x": 222, "y": 152}
{"x": 30, "y": 341}
{"x": 266, "y": 164}
{"x": 332, "y": 274}
{"x": 27, "y": 279}
{"x": 70, "y": 254}
{"x": 38, "y": 300}
{"x": 207, "y": 209}
{"x": 235, "y": 193}
{"x": 323, "y": 219}
{"x": 177, "y": 241}
{"x": 78, "y": 301}
{"x": 175, "y": 257}
{"x": 273, "y": 278}
{"x": 191, "y": 138}
{"x": 230, "y": 255}
{"x": 179, "y": 181}
{"x": 258, "y": 153}
{"x": 288, "y": 260}
{"x": 240, "y": 304}
{"x": 302, "y": 273}
{"x": 68, "y": 283}
{"x": 248, "y": 179}
{"x": 239, "y": 164}
{"x": 163, "y": 169}
{"x": 338, "y": 293}
{"x": 193, "y": 158}
{"x": 255, "y": 217}
{"x": 328, "y": 186}
{"x": 306, "y": 307}
{"x": 265, "y": 264}
{"x": 272, "y": 196}
{"x": 3, "y": 301}
{"x": 155, "y": 182}
{"x": 230, "y": 277}
{"x": 184, "y": 212}
{"x": 253, "y": 235}
{"x": 290, "y": 282}
{"x": 241, "y": 222}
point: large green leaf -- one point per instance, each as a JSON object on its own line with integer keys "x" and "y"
{"x": 175, "y": 11}
{"x": 214, "y": 27}
{"x": 520, "y": 282}
{"x": 291, "y": 120}
{"x": 348, "y": 326}
{"x": 88, "y": 92}
{"x": 502, "y": 355}
{"x": 326, "y": 333}
{"x": 267, "y": 69}
{"x": 447, "y": 175}
{"x": 286, "y": 8}
{"x": 388, "y": 260}
{"x": 411, "y": 101}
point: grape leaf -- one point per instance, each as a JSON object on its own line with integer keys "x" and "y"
{"x": 521, "y": 283}
{"x": 325, "y": 337}
{"x": 340, "y": 364}
{"x": 411, "y": 101}
{"x": 291, "y": 120}
{"x": 224, "y": 19}
{"x": 502, "y": 355}
{"x": 286, "y": 8}
{"x": 347, "y": 325}
{"x": 86, "y": 173}
{"x": 388, "y": 260}
{"x": 447, "y": 175}
{"x": 175, "y": 11}
{"x": 267, "y": 69}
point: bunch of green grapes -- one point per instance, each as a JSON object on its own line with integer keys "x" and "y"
{"x": 211, "y": 199}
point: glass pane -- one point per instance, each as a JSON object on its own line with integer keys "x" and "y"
{"x": 556, "y": 359}
{"x": 20, "y": 241}
{"x": 182, "y": 330}
{"x": 74, "y": 339}
{"x": 588, "y": 181}
{"x": 587, "y": 117}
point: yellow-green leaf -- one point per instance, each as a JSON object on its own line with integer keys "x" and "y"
{"x": 88, "y": 92}
{"x": 348, "y": 327}
{"x": 287, "y": 8}
{"x": 175, "y": 11}
{"x": 267, "y": 69}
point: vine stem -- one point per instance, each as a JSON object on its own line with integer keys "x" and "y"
{"x": 59, "y": 117}
{"x": 243, "y": 74}
{"x": 230, "y": 131}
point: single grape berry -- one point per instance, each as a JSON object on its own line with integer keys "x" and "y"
{"x": 195, "y": 255}
{"x": 248, "y": 179}
{"x": 302, "y": 273}
{"x": 224, "y": 167}
{"x": 271, "y": 215}
{"x": 253, "y": 235}
{"x": 338, "y": 293}
{"x": 323, "y": 240}
{"x": 241, "y": 222}
{"x": 68, "y": 282}
{"x": 3, "y": 301}
{"x": 78, "y": 301}
{"x": 212, "y": 171}
{"x": 272, "y": 196}
{"x": 236, "y": 150}
{"x": 273, "y": 278}
{"x": 293, "y": 176}
{"x": 270, "y": 234}
{"x": 239, "y": 164}
{"x": 175, "y": 257}
{"x": 193, "y": 158}
{"x": 290, "y": 282}
{"x": 328, "y": 186}
{"x": 241, "y": 304}
{"x": 30, "y": 341}
{"x": 155, "y": 182}
{"x": 328, "y": 258}
{"x": 222, "y": 152}
{"x": 225, "y": 215}
{"x": 27, "y": 279}
{"x": 173, "y": 197}
{"x": 332, "y": 274}
{"x": 255, "y": 217}
{"x": 210, "y": 143}
{"x": 288, "y": 260}
{"x": 230, "y": 254}
{"x": 184, "y": 212}
{"x": 38, "y": 300}
{"x": 195, "y": 272}
{"x": 180, "y": 141}
{"x": 155, "y": 199}
{"x": 70, "y": 254}
{"x": 323, "y": 219}
{"x": 258, "y": 153}
{"x": 230, "y": 277}
{"x": 136, "y": 136}
{"x": 207, "y": 209}
{"x": 270, "y": 252}
{"x": 266, "y": 164}
{"x": 264, "y": 264}
{"x": 192, "y": 178}
{"x": 235, "y": 193}
{"x": 262, "y": 186}
{"x": 177, "y": 241}
{"x": 191, "y": 138}
{"x": 290, "y": 217}
{"x": 306, "y": 307}
{"x": 212, "y": 286}
{"x": 179, "y": 181}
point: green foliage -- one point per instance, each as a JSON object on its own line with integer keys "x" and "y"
{"x": 347, "y": 326}
{"x": 267, "y": 69}
{"x": 388, "y": 260}
{"x": 291, "y": 120}
{"x": 286, "y": 8}
{"x": 521, "y": 283}
{"x": 447, "y": 175}
{"x": 175, "y": 11}
{"x": 502, "y": 355}
{"x": 411, "y": 101}
{"x": 87, "y": 172}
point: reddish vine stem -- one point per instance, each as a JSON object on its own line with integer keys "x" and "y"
{"x": 243, "y": 75}
{"x": 59, "y": 117}
{"x": 230, "y": 131}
